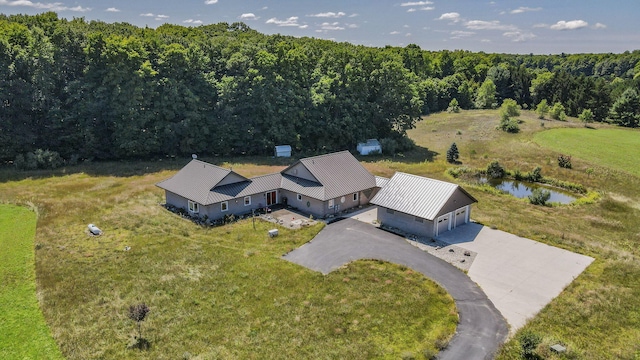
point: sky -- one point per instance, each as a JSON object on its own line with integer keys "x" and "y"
{"x": 515, "y": 26}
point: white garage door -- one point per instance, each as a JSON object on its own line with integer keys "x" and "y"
{"x": 461, "y": 216}
{"x": 443, "y": 224}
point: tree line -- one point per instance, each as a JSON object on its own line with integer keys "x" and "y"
{"x": 91, "y": 90}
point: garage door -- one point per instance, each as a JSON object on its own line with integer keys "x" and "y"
{"x": 443, "y": 224}
{"x": 461, "y": 216}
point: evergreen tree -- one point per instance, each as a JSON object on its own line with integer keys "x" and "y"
{"x": 626, "y": 110}
{"x": 453, "y": 154}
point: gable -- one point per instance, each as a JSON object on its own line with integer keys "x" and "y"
{"x": 231, "y": 178}
{"x": 299, "y": 170}
{"x": 458, "y": 199}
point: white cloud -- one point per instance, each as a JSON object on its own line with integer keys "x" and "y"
{"x": 569, "y": 25}
{"x": 599, "y": 26}
{"x": 191, "y": 21}
{"x": 427, "y": 8}
{"x": 416, "y": 3}
{"x": 290, "y": 22}
{"x": 248, "y": 16}
{"x": 453, "y": 16}
{"x": 394, "y": 33}
{"x": 147, "y": 15}
{"x": 353, "y": 15}
{"x": 331, "y": 26}
{"x": 522, "y": 9}
{"x": 518, "y": 36}
{"x": 56, "y": 6}
{"x": 352, "y": 26}
{"x": 489, "y": 25}
{"x": 210, "y": 2}
{"x": 329, "y": 14}
{"x": 112, "y": 9}
{"x": 412, "y": 10}
{"x": 162, "y": 17}
{"x": 407, "y": 34}
{"x": 458, "y": 34}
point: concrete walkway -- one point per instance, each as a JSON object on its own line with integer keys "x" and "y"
{"x": 520, "y": 276}
{"x": 481, "y": 329}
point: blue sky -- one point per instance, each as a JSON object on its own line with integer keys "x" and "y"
{"x": 532, "y": 26}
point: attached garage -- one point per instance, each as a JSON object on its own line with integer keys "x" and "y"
{"x": 422, "y": 206}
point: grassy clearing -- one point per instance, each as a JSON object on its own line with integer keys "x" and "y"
{"x": 213, "y": 293}
{"x": 25, "y": 334}
{"x": 615, "y": 148}
{"x": 598, "y": 315}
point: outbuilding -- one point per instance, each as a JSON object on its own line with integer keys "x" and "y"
{"x": 371, "y": 146}
{"x": 422, "y": 206}
{"x": 282, "y": 151}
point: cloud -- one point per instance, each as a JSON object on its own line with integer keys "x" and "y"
{"x": 352, "y": 26}
{"x": 353, "y": 15}
{"x": 599, "y": 26}
{"x": 248, "y": 16}
{"x": 489, "y": 25}
{"x": 541, "y": 25}
{"x": 459, "y": 34}
{"x": 412, "y": 10}
{"x": 191, "y": 21}
{"x": 519, "y": 36}
{"x": 394, "y": 33}
{"x": 569, "y": 25}
{"x": 112, "y": 9}
{"x": 416, "y": 3}
{"x": 289, "y": 22}
{"x": 328, "y": 15}
{"x": 452, "y": 16}
{"x": 331, "y": 26}
{"x": 56, "y": 6}
{"x": 407, "y": 34}
{"x": 522, "y": 9}
{"x": 147, "y": 15}
{"x": 210, "y": 2}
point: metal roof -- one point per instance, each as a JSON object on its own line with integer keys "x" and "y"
{"x": 340, "y": 173}
{"x": 416, "y": 195}
{"x": 256, "y": 185}
{"x": 195, "y": 180}
{"x": 381, "y": 181}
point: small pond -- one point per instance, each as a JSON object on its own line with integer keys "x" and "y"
{"x": 522, "y": 189}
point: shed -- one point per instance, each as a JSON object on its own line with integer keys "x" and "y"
{"x": 370, "y": 146}
{"x": 282, "y": 151}
{"x": 422, "y": 206}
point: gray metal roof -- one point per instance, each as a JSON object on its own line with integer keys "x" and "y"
{"x": 417, "y": 195}
{"x": 195, "y": 180}
{"x": 256, "y": 185}
{"x": 340, "y": 173}
{"x": 302, "y": 186}
{"x": 381, "y": 181}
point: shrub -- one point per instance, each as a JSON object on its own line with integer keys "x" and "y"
{"x": 453, "y": 154}
{"x": 39, "y": 159}
{"x": 509, "y": 108}
{"x": 389, "y": 145}
{"x": 586, "y": 116}
{"x": 529, "y": 342}
{"x": 495, "y": 170}
{"x": 539, "y": 197}
{"x": 535, "y": 175}
{"x": 138, "y": 313}
{"x": 542, "y": 109}
{"x": 509, "y": 125}
{"x": 454, "y": 106}
{"x": 557, "y": 112}
{"x": 564, "y": 161}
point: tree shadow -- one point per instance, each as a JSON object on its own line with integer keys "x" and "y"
{"x": 140, "y": 343}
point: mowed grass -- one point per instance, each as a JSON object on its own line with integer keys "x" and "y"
{"x": 598, "y": 315}
{"x": 616, "y": 148}
{"x": 219, "y": 293}
{"x": 23, "y": 331}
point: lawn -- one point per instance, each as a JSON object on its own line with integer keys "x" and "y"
{"x": 25, "y": 334}
{"x": 213, "y": 292}
{"x": 616, "y": 148}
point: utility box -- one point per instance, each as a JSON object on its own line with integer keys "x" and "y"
{"x": 273, "y": 232}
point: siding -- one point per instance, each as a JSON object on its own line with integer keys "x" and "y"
{"x": 406, "y": 222}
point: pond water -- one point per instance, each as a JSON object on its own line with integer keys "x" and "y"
{"x": 522, "y": 189}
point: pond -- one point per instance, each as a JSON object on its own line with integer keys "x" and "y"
{"x": 522, "y": 189}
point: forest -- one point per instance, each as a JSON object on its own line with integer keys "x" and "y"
{"x": 76, "y": 89}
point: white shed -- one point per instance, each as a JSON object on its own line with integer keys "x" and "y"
{"x": 371, "y": 146}
{"x": 282, "y": 151}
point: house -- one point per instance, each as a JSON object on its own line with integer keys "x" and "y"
{"x": 422, "y": 206}
{"x": 371, "y": 146}
{"x": 320, "y": 185}
{"x": 282, "y": 151}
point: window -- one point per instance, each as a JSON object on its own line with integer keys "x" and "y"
{"x": 193, "y": 207}
{"x": 224, "y": 206}
{"x": 331, "y": 204}
{"x": 389, "y": 211}
{"x": 419, "y": 219}
{"x": 299, "y": 197}
{"x": 247, "y": 200}
{"x": 355, "y": 196}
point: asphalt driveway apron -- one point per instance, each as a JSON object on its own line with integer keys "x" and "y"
{"x": 481, "y": 327}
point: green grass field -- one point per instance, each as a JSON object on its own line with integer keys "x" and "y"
{"x": 615, "y": 148}
{"x": 24, "y": 333}
{"x": 221, "y": 293}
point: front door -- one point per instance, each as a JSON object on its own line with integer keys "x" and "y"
{"x": 271, "y": 198}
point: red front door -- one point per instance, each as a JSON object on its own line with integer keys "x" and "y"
{"x": 271, "y": 198}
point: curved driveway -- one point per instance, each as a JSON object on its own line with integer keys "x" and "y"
{"x": 481, "y": 327}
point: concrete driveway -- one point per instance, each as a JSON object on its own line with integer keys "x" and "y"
{"x": 481, "y": 327}
{"x": 520, "y": 276}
